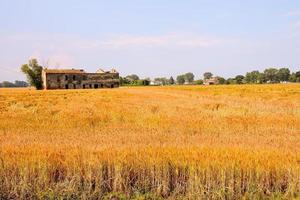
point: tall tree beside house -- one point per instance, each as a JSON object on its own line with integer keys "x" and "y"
{"x": 33, "y": 72}
{"x": 207, "y": 75}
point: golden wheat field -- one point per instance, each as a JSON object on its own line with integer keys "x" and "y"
{"x": 175, "y": 142}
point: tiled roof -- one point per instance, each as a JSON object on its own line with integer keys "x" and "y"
{"x": 64, "y": 71}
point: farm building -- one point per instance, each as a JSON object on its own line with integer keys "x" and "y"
{"x": 79, "y": 79}
{"x": 211, "y": 81}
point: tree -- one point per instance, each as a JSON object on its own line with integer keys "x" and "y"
{"x": 161, "y": 81}
{"x": 283, "y": 74}
{"x": 252, "y": 77}
{"x": 199, "y": 82}
{"x": 239, "y": 79}
{"x": 230, "y": 81}
{"x": 171, "y": 81}
{"x": 261, "y": 78}
{"x": 271, "y": 75}
{"x": 143, "y": 82}
{"x": 207, "y": 75}
{"x": 180, "y": 79}
{"x": 33, "y": 72}
{"x": 133, "y": 77}
{"x": 297, "y": 75}
{"x": 189, "y": 77}
{"x": 146, "y": 81}
{"x": 221, "y": 80}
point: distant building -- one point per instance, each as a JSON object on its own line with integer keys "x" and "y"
{"x": 211, "y": 81}
{"x": 79, "y": 79}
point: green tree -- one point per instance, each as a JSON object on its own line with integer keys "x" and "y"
{"x": 252, "y": 77}
{"x": 171, "y": 81}
{"x": 33, "y": 72}
{"x": 283, "y": 74}
{"x": 239, "y": 79}
{"x": 180, "y": 79}
{"x": 221, "y": 80}
{"x": 133, "y": 79}
{"x": 230, "y": 81}
{"x": 199, "y": 82}
{"x": 261, "y": 78}
{"x": 297, "y": 75}
{"x": 161, "y": 81}
{"x": 207, "y": 75}
{"x": 189, "y": 77}
{"x": 293, "y": 78}
{"x": 271, "y": 75}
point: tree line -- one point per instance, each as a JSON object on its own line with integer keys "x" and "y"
{"x": 13, "y": 84}
{"x": 269, "y": 75}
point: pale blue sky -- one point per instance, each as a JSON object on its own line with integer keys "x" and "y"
{"x": 150, "y": 37}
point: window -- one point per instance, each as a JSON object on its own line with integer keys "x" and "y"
{"x": 96, "y": 86}
{"x": 74, "y": 86}
{"x": 83, "y": 86}
{"x": 74, "y": 77}
{"x": 112, "y": 86}
{"x": 101, "y": 85}
{"x": 90, "y": 85}
{"x": 66, "y": 86}
{"x": 66, "y": 77}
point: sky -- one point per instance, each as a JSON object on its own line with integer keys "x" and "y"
{"x": 151, "y": 38}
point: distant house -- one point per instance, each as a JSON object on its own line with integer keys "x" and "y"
{"x": 79, "y": 79}
{"x": 211, "y": 81}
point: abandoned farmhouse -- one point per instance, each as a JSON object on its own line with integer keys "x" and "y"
{"x": 79, "y": 79}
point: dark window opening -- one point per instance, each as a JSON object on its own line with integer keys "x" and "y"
{"x": 74, "y": 86}
{"x": 83, "y": 86}
{"x": 67, "y": 86}
{"x": 96, "y": 86}
{"x": 58, "y": 79}
{"x": 74, "y": 77}
{"x": 66, "y": 77}
{"x": 101, "y": 85}
{"x": 112, "y": 86}
{"x": 90, "y": 85}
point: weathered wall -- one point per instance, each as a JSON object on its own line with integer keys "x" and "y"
{"x": 81, "y": 81}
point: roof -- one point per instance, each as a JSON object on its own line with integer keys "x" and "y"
{"x": 64, "y": 71}
{"x": 101, "y": 71}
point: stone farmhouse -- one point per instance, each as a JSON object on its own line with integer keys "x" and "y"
{"x": 211, "y": 81}
{"x": 79, "y": 79}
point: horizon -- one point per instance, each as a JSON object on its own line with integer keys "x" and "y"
{"x": 150, "y": 38}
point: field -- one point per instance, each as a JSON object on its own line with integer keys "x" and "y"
{"x": 177, "y": 142}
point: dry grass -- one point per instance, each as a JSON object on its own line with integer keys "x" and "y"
{"x": 193, "y": 142}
